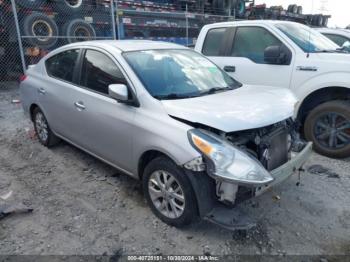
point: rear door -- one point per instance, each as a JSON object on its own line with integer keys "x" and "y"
{"x": 103, "y": 125}
{"x": 57, "y": 92}
{"x": 243, "y": 57}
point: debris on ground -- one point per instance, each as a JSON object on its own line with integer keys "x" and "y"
{"x": 16, "y": 101}
{"x": 9, "y": 209}
{"x": 5, "y": 196}
{"x": 321, "y": 170}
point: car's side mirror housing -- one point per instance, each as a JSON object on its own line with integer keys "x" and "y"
{"x": 276, "y": 55}
{"x": 119, "y": 92}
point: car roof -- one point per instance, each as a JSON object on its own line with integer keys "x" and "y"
{"x": 252, "y": 22}
{"x": 128, "y": 45}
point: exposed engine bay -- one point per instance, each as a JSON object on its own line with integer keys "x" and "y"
{"x": 272, "y": 146}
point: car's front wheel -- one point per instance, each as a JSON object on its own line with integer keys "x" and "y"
{"x": 328, "y": 127}
{"x": 169, "y": 192}
{"x": 42, "y": 129}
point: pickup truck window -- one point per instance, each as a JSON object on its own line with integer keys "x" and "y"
{"x": 251, "y": 42}
{"x": 309, "y": 40}
{"x": 338, "y": 39}
{"x": 214, "y": 41}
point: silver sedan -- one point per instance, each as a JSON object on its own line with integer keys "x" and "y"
{"x": 199, "y": 140}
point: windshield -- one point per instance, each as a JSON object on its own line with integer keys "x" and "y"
{"x": 308, "y": 39}
{"x": 175, "y": 74}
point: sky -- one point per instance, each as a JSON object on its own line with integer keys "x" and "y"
{"x": 338, "y": 9}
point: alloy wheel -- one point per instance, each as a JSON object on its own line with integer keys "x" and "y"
{"x": 332, "y": 130}
{"x": 166, "y": 194}
{"x": 41, "y": 127}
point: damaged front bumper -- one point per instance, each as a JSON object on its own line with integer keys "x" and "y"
{"x": 285, "y": 171}
{"x": 215, "y": 211}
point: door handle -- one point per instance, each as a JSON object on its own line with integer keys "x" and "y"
{"x": 41, "y": 91}
{"x": 230, "y": 69}
{"x": 79, "y": 105}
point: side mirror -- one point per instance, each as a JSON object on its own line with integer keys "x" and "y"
{"x": 275, "y": 55}
{"x": 346, "y": 45}
{"x": 118, "y": 92}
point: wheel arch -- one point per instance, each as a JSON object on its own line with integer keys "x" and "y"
{"x": 31, "y": 110}
{"x": 147, "y": 157}
{"x": 321, "y": 96}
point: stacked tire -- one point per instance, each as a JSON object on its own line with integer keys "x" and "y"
{"x": 42, "y": 31}
{"x": 295, "y": 9}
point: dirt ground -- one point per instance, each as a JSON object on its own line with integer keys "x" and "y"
{"x": 82, "y": 206}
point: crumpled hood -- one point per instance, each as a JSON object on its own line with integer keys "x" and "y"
{"x": 244, "y": 108}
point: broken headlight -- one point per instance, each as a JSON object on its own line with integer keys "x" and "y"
{"x": 227, "y": 162}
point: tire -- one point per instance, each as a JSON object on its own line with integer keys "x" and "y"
{"x": 290, "y": 9}
{"x": 294, "y": 9}
{"x": 318, "y": 128}
{"x": 78, "y": 30}
{"x": 317, "y": 20}
{"x": 43, "y": 30}
{"x": 325, "y": 22}
{"x": 69, "y": 6}
{"x": 30, "y": 4}
{"x": 166, "y": 167}
{"x": 46, "y": 138}
{"x": 299, "y": 10}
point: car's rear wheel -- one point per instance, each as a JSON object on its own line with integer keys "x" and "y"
{"x": 328, "y": 127}
{"x": 169, "y": 192}
{"x": 45, "y": 135}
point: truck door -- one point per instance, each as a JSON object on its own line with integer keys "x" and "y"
{"x": 241, "y": 54}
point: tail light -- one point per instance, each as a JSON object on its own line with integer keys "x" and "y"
{"x": 22, "y": 78}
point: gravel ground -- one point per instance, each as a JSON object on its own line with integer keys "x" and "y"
{"x": 82, "y": 206}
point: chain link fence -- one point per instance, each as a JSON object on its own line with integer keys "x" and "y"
{"x": 29, "y": 29}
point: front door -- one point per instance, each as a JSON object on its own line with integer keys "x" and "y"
{"x": 243, "y": 57}
{"x": 104, "y": 124}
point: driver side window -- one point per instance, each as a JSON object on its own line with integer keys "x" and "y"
{"x": 251, "y": 42}
{"x": 99, "y": 71}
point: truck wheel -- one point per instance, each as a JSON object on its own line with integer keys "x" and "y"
{"x": 328, "y": 127}
{"x": 292, "y": 9}
{"x": 78, "y": 30}
{"x": 169, "y": 192}
{"x": 69, "y": 6}
{"x": 318, "y": 20}
{"x": 300, "y": 10}
{"x": 41, "y": 29}
{"x": 325, "y": 21}
{"x": 45, "y": 135}
{"x": 31, "y": 3}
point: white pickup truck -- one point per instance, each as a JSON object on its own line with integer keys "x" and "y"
{"x": 294, "y": 56}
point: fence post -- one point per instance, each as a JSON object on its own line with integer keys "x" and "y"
{"x": 19, "y": 38}
{"x": 113, "y": 20}
{"x": 187, "y": 25}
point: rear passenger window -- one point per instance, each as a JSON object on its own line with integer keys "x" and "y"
{"x": 213, "y": 42}
{"x": 99, "y": 71}
{"x": 251, "y": 42}
{"x": 62, "y": 65}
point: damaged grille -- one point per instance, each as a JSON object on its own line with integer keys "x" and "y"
{"x": 270, "y": 145}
